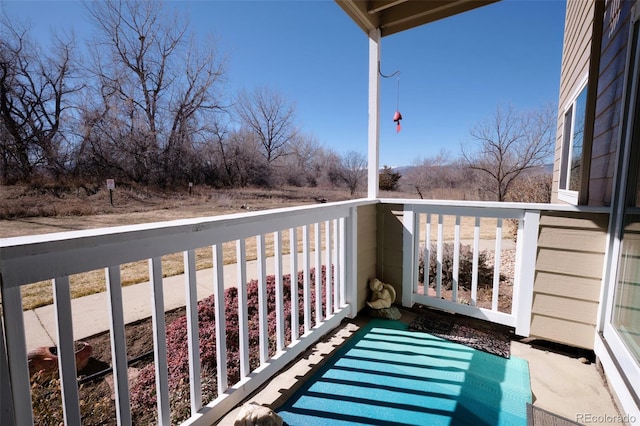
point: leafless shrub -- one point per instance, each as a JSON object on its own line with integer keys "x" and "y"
{"x": 465, "y": 268}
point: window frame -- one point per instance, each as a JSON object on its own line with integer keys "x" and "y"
{"x": 567, "y": 144}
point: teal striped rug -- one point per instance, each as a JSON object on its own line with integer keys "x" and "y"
{"x": 388, "y": 375}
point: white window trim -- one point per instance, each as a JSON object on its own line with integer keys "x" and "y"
{"x": 567, "y": 195}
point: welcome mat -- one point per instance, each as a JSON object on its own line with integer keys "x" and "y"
{"x": 540, "y": 417}
{"x": 471, "y": 332}
{"x": 388, "y": 375}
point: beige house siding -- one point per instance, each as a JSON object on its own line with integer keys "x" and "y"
{"x": 608, "y": 107}
{"x": 568, "y": 277}
{"x": 389, "y": 253}
{"x": 367, "y": 249}
{"x": 575, "y": 66}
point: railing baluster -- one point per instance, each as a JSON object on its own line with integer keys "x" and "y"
{"x": 193, "y": 335}
{"x": 352, "y": 262}
{"x": 439, "y": 257}
{"x": 343, "y": 262}
{"x": 118, "y": 345}
{"x": 293, "y": 260}
{"x": 243, "y": 326}
{"x": 262, "y": 300}
{"x": 16, "y": 353}
{"x": 159, "y": 341}
{"x": 318, "y": 262}
{"x": 456, "y": 260}
{"x": 328, "y": 268}
{"x": 7, "y": 416}
{"x": 221, "y": 321}
{"x": 66, "y": 351}
{"x": 277, "y": 249}
{"x": 496, "y": 266}
{"x": 474, "y": 274}
{"x": 410, "y": 256}
{"x": 336, "y": 265}
{"x": 427, "y": 254}
{"x": 306, "y": 291}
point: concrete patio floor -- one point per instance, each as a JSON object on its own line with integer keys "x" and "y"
{"x": 561, "y": 384}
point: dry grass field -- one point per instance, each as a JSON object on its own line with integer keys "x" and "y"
{"x": 28, "y": 211}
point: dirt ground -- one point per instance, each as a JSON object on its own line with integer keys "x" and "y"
{"x": 24, "y": 211}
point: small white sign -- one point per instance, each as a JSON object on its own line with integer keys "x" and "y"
{"x": 190, "y": 184}
{"x": 111, "y": 184}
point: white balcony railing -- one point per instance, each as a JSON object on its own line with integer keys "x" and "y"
{"x": 424, "y": 245}
{"x": 324, "y": 235}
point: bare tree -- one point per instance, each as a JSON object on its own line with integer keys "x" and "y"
{"x": 35, "y": 93}
{"x": 352, "y": 170}
{"x": 271, "y": 117}
{"x": 250, "y": 167}
{"x": 509, "y": 143}
{"x": 323, "y": 168}
{"x": 155, "y": 82}
{"x": 437, "y": 177}
{"x": 297, "y": 168}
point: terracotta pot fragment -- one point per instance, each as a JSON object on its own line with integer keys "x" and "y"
{"x": 44, "y": 360}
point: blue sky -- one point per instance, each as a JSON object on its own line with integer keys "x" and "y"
{"x": 453, "y": 73}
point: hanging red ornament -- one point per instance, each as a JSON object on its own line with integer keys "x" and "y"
{"x": 396, "y": 118}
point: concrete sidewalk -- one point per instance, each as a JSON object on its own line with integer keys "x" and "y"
{"x": 91, "y": 313}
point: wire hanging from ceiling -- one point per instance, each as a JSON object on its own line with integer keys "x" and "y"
{"x": 397, "y": 116}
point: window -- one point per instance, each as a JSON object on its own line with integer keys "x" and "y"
{"x": 572, "y": 145}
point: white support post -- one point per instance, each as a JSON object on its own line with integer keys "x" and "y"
{"x": 374, "y": 112}
{"x": 527, "y": 248}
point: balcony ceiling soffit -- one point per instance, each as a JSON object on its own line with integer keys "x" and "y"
{"x": 393, "y": 16}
